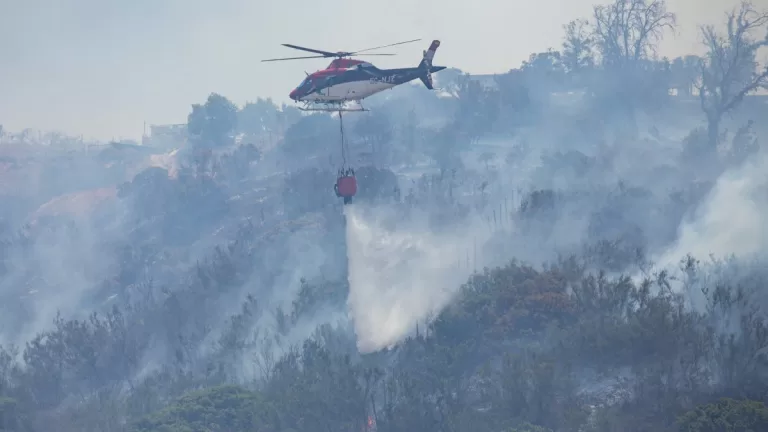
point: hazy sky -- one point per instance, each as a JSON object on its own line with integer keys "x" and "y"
{"x": 103, "y": 67}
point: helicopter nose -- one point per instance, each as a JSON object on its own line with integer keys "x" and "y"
{"x": 294, "y": 95}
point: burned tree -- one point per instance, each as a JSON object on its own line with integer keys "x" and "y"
{"x": 577, "y": 52}
{"x": 626, "y": 34}
{"x": 730, "y": 69}
{"x": 627, "y": 31}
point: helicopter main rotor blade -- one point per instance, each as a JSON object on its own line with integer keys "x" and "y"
{"x": 294, "y": 58}
{"x": 324, "y": 53}
{"x": 376, "y": 54}
{"x": 385, "y": 46}
{"x": 340, "y": 54}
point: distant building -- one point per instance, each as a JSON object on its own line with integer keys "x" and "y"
{"x": 166, "y": 136}
{"x": 167, "y": 130}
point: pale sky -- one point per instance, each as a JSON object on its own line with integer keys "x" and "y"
{"x": 102, "y": 68}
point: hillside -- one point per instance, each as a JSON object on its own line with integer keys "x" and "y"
{"x": 576, "y": 245}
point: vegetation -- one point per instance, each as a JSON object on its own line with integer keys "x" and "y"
{"x": 215, "y": 290}
{"x": 726, "y": 415}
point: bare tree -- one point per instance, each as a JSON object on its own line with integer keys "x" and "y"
{"x": 730, "y": 69}
{"x": 627, "y": 31}
{"x": 577, "y": 53}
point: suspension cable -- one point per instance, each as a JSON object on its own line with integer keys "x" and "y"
{"x": 343, "y": 147}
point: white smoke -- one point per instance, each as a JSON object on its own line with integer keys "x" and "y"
{"x": 399, "y": 275}
{"x": 730, "y": 220}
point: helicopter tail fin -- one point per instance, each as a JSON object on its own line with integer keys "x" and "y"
{"x": 429, "y": 54}
{"x": 426, "y": 65}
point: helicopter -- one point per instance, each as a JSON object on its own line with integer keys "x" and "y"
{"x": 347, "y": 80}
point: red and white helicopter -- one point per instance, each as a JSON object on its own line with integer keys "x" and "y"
{"x": 347, "y": 80}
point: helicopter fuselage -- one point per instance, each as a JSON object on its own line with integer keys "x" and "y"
{"x": 354, "y": 80}
{"x": 354, "y": 84}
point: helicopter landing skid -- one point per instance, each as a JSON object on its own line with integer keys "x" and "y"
{"x": 332, "y": 107}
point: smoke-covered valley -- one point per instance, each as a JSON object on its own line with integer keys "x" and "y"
{"x": 576, "y": 244}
